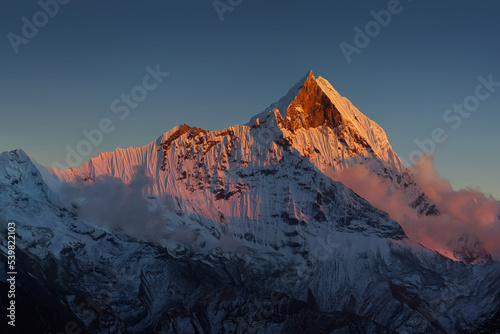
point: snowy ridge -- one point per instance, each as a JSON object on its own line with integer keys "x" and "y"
{"x": 225, "y": 176}
{"x": 371, "y": 131}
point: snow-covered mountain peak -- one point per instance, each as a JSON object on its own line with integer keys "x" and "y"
{"x": 327, "y": 128}
{"x": 285, "y": 101}
{"x": 311, "y": 108}
{"x": 313, "y": 102}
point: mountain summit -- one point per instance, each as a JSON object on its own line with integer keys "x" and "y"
{"x": 314, "y": 107}
{"x": 334, "y": 135}
{"x": 311, "y": 108}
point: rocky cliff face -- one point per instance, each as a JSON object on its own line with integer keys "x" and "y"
{"x": 311, "y": 108}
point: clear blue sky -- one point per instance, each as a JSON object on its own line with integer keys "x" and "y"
{"x": 221, "y": 73}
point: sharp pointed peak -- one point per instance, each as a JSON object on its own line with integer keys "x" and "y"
{"x": 309, "y": 77}
{"x": 285, "y": 101}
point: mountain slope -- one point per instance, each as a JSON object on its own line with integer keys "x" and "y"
{"x": 326, "y": 276}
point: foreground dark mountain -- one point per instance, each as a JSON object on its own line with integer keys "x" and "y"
{"x": 238, "y": 230}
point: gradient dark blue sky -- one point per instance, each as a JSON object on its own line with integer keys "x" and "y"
{"x": 222, "y": 73}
